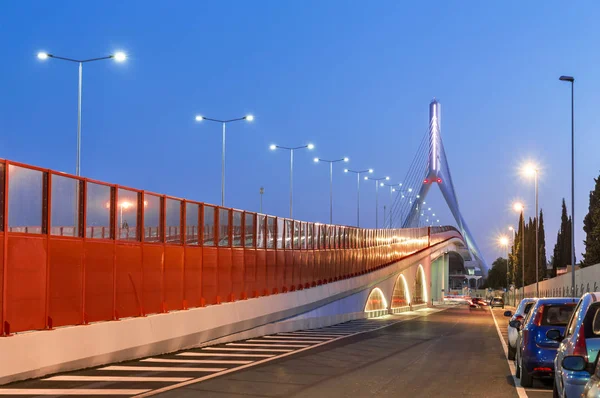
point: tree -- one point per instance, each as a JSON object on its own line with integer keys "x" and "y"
{"x": 543, "y": 260}
{"x": 496, "y": 278}
{"x": 517, "y": 254}
{"x": 562, "y": 249}
{"x": 591, "y": 226}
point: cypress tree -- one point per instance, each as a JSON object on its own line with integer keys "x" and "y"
{"x": 543, "y": 261}
{"x": 517, "y": 254}
{"x": 562, "y": 249}
{"x": 591, "y": 226}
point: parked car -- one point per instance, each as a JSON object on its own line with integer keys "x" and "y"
{"x": 580, "y": 343}
{"x": 497, "y": 302}
{"x": 535, "y": 349}
{"x": 520, "y": 313}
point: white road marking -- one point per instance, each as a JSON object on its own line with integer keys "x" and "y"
{"x": 520, "y": 390}
{"x": 219, "y": 361}
{"x": 161, "y": 369}
{"x": 246, "y": 349}
{"x": 280, "y": 341}
{"x": 74, "y": 391}
{"x": 117, "y": 378}
{"x": 211, "y": 354}
{"x": 292, "y": 352}
{"x": 299, "y": 338}
{"x": 314, "y": 334}
{"x": 266, "y": 345}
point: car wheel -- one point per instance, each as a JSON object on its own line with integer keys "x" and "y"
{"x": 526, "y": 379}
{"x": 511, "y": 352}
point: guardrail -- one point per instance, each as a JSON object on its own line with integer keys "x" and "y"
{"x": 76, "y": 250}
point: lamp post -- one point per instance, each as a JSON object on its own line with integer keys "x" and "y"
{"x": 503, "y": 242}
{"x": 358, "y": 173}
{"x": 393, "y": 188}
{"x": 520, "y": 208}
{"x": 331, "y": 162}
{"x": 200, "y": 118}
{"x": 510, "y": 228}
{"x": 292, "y": 149}
{"x": 572, "y": 81}
{"x": 377, "y": 184}
{"x": 118, "y": 56}
{"x": 261, "y": 191}
{"x": 532, "y": 171}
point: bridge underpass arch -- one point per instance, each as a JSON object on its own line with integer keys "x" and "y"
{"x": 400, "y": 295}
{"x": 420, "y": 288}
{"x": 376, "y": 304}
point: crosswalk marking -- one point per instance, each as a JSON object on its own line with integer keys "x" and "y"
{"x": 280, "y": 341}
{"x": 266, "y": 345}
{"x": 118, "y": 378}
{"x": 211, "y": 354}
{"x": 299, "y": 338}
{"x": 217, "y": 361}
{"x": 161, "y": 369}
{"x": 74, "y": 391}
{"x": 246, "y": 349}
{"x": 314, "y": 334}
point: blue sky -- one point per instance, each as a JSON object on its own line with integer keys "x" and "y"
{"x": 354, "y": 78}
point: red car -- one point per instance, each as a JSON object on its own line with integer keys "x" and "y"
{"x": 479, "y": 301}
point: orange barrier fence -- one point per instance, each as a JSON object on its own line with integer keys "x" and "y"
{"x": 75, "y": 251}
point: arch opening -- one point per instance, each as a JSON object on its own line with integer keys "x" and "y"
{"x": 376, "y": 301}
{"x": 420, "y": 291}
{"x": 401, "y": 294}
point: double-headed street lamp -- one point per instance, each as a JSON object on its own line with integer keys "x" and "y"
{"x": 200, "y": 118}
{"x": 292, "y": 149}
{"x": 572, "y": 81}
{"x": 377, "y": 184}
{"x": 358, "y": 173}
{"x": 393, "y": 188}
{"x": 118, "y": 56}
{"x": 532, "y": 171}
{"x": 331, "y": 162}
{"x": 520, "y": 208}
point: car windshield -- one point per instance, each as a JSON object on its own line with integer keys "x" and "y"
{"x": 557, "y": 314}
{"x": 497, "y": 300}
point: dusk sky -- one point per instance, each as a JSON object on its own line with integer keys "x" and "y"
{"x": 353, "y": 78}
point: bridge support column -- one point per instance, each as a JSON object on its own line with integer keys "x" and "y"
{"x": 439, "y": 277}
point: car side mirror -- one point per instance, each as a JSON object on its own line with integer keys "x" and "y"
{"x": 508, "y": 313}
{"x": 575, "y": 363}
{"x": 554, "y": 334}
{"x": 515, "y": 324}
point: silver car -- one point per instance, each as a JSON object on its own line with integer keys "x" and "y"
{"x": 578, "y": 348}
{"x": 520, "y": 313}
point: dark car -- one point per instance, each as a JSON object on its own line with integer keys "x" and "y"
{"x": 535, "y": 350}
{"x": 497, "y": 302}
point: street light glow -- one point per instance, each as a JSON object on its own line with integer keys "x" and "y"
{"x": 409, "y": 189}
{"x": 310, "y": 146}
{"x": 370, "y": 170}
{"x": 381, "y": 184}
{"x": 316, "y": 160}
{"x": 249, "y": 118}
{"x": 126, "y": 205}
{"x": 346, "y": 160}
{"x": 511, "y": 228}
{"x": 387, "y": 178}
{"x": 530, "y": 170}
{"x": 366, "y": 178}
{"x": 518, "y": 207}
{"x": 199, "y": 118}
{"x": 503, "y": 240}
{"x": 42, "y": 55}
{"x": 120, "y": 56}
{"x": 345, "y": 170}
{"x": 273, "y": 147}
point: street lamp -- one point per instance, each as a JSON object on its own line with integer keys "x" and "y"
{"x": 572, "y": 81}
{"x": 520, "y": 208}
{"x": 200, "y": 118}
{"x": 331, "y": 162}
{"x": 358, "y": 173}
{"x": 118, "y": 57}
{"x": 377, "y": 184}
{"x": 393, "y": 188}
{"x": 292, "y": 149}
{"x": 531, "y": 170}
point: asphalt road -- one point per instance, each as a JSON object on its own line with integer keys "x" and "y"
{"x": 456, "y": 352}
